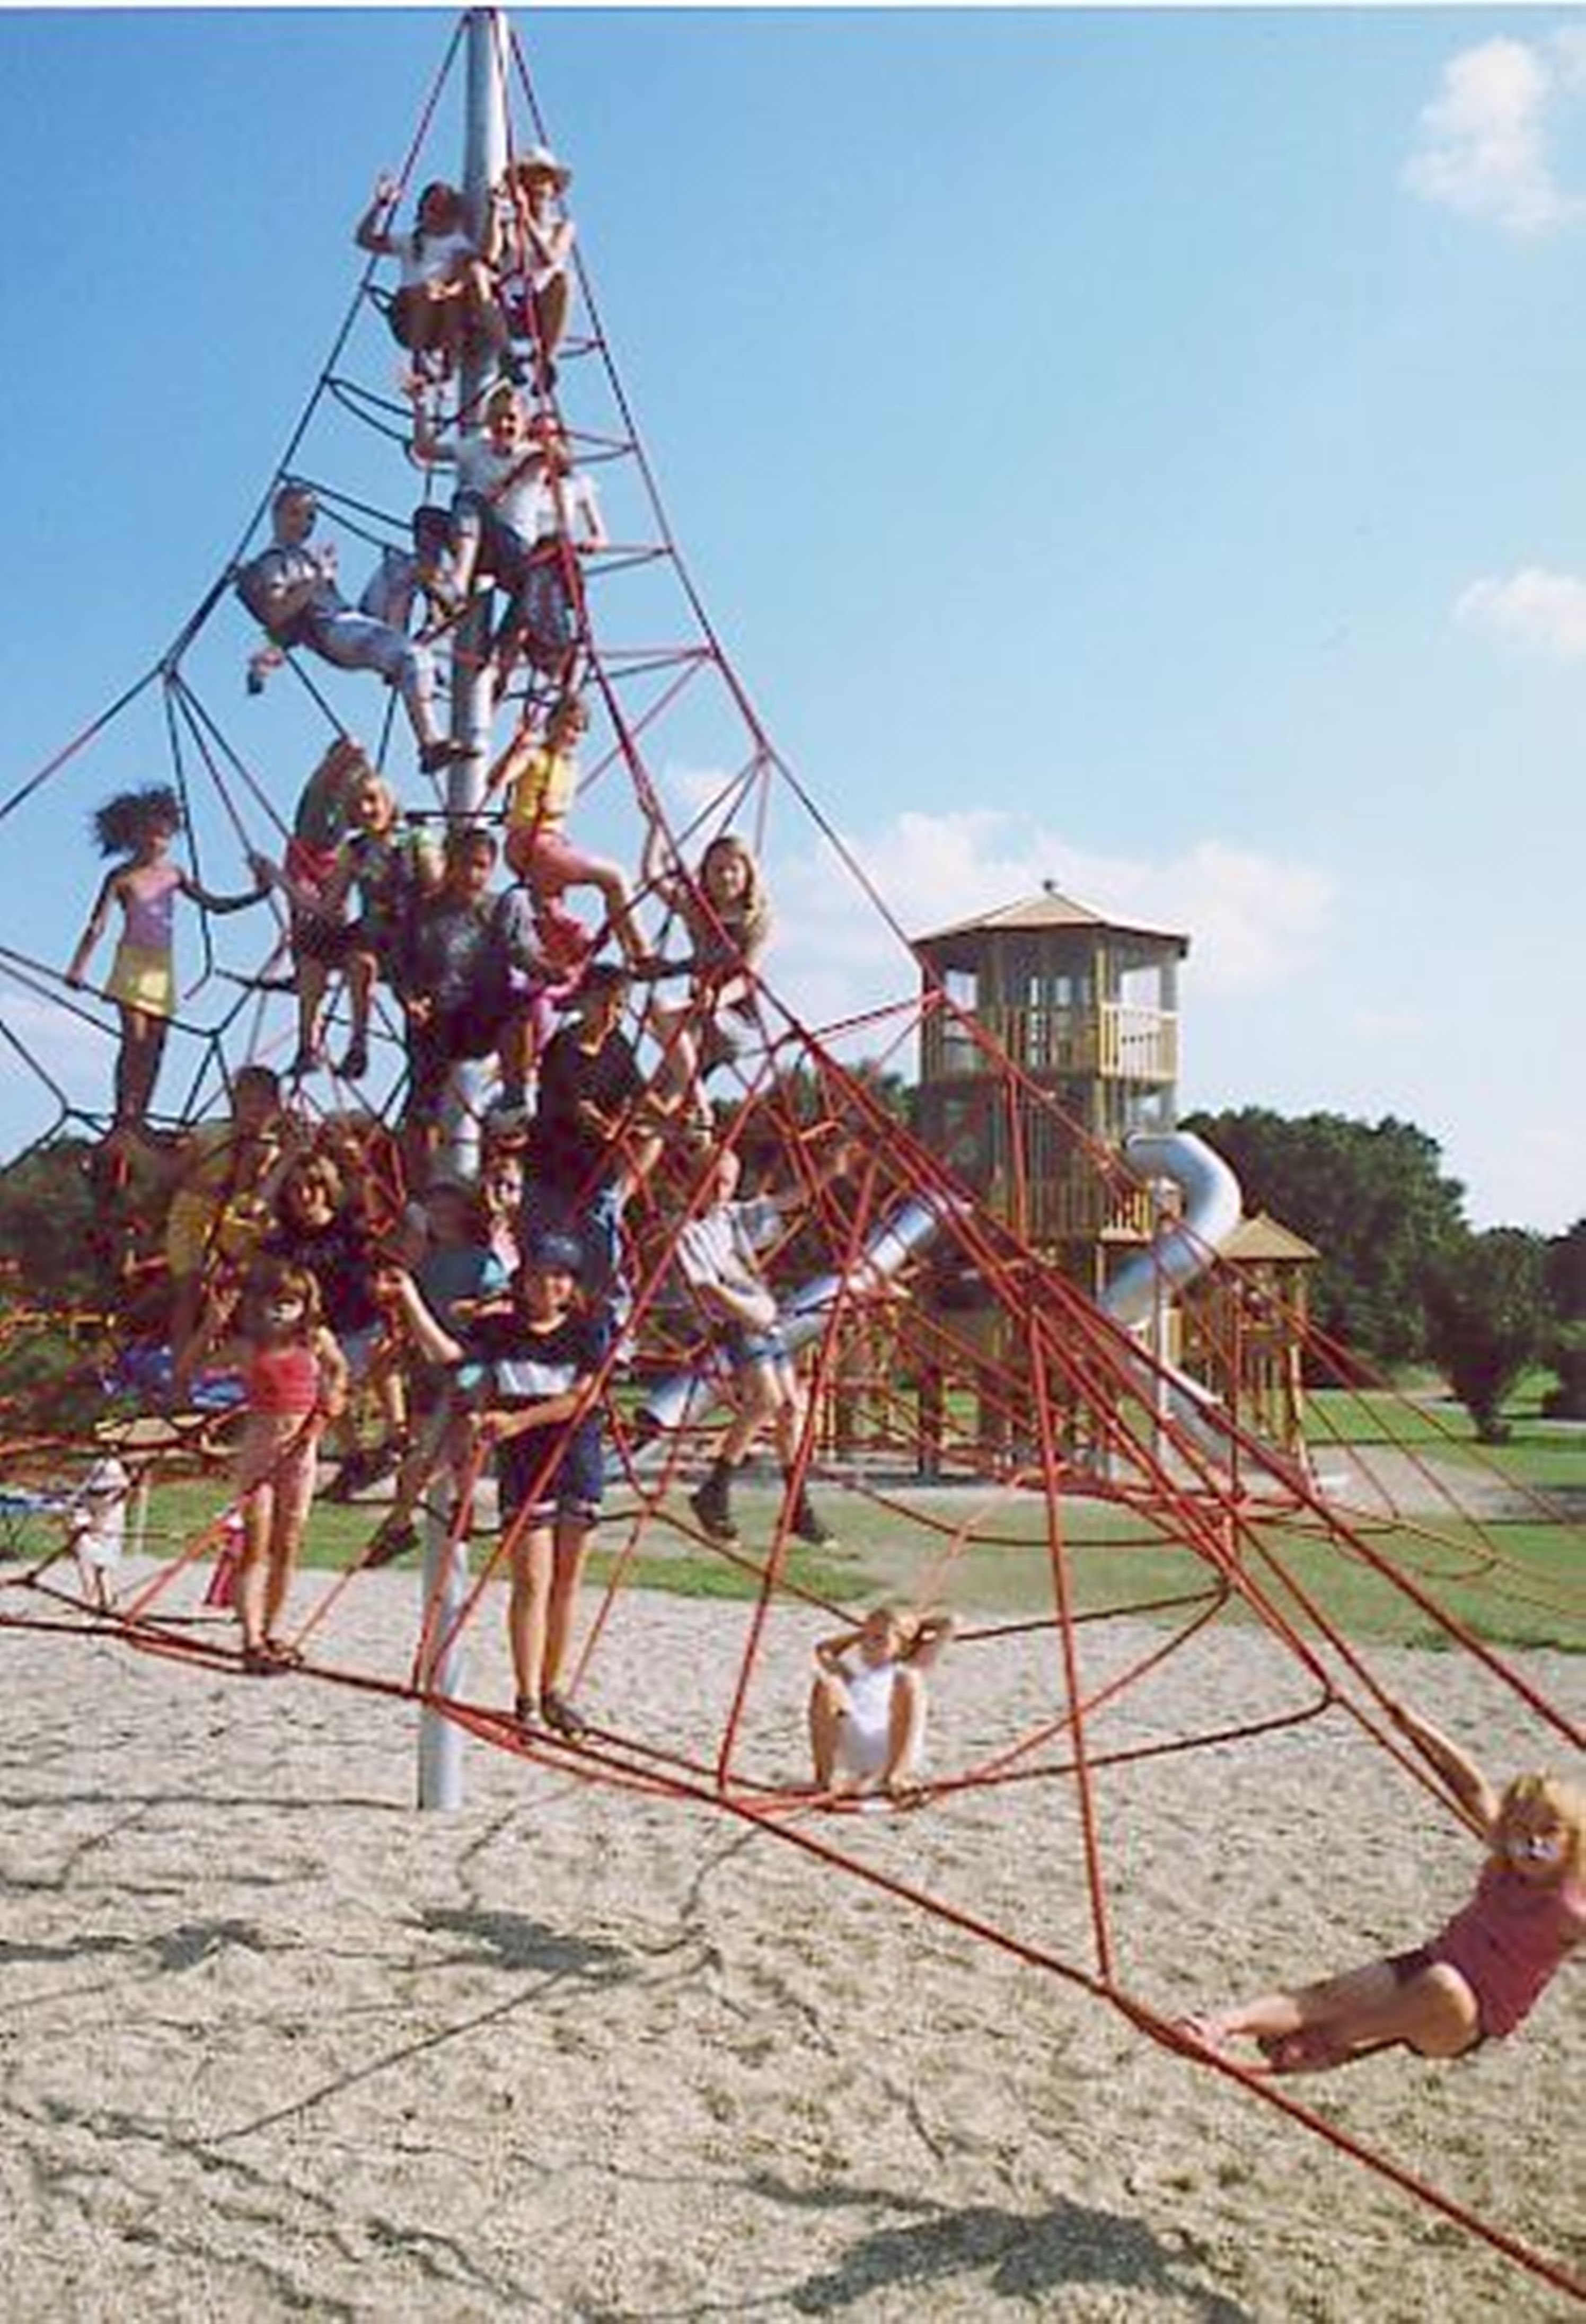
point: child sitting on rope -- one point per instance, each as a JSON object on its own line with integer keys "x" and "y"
{"x": 290, "y": 590}
{"x": 141, "y": 828}
{"x": 717, "y": 1257}
{"x": 296, "y": 1380}
{"x": 1483, "y": 1972}
{"x": 528, "y": 1370}
{"x": 867, "y": 1706}
{"x": 539, "y": 773}
{"x": 446, "y": 309}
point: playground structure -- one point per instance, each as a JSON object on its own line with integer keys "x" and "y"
{"x": 982, "y": 1300}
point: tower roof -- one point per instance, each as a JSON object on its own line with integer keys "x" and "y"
{"x": 1263, "y": 1237}
{"x": 1036, "y": 915}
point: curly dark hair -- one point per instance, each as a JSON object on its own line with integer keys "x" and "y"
{"x": 123, "y": 823}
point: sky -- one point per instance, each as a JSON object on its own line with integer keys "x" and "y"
{"x": 1138, "y": 449}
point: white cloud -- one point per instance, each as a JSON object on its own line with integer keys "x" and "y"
{"x": 1383, "y": 1025}
{"x": 1255, "y": 920}
{"x": 1485, "y": 141}
{"x": 1532, "y": 607}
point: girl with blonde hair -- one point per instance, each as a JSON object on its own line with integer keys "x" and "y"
{"x": 1483, "y": 1972}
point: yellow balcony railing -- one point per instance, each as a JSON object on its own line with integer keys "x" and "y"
{"x": 1115, "y": 1041}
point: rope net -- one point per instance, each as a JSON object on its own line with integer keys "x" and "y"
{"x": 966, "y": 1402}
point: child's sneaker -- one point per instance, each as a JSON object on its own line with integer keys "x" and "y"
{"x": 808, "y": 1527}
{"x": 712, "y": 1504}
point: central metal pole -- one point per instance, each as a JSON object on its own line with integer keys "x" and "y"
{"x": 473, "y": 687}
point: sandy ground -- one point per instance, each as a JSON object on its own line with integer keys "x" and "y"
{"x": 275, "y": 2044}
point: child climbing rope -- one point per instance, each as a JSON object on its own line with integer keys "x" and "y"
{"x": 526, "y": 1370}
{"x": 446, "y": 308}
{"x": 867, "y": 1704}
{"x": 475, "y": 981}
{"x": 290, "y": 590}
{"x": 296, "y": 1380}
{"x": 1484, "y": 1972}
{"x": 536, "y": 236}
{"x": 717, "y": 1258}
{"x": 226, "y": 1172}
{"x": 726, "y": 913}
{"x": 540, "y": 775}
{"x": 141, "y": 828}
{"x": 448, "y": 1248}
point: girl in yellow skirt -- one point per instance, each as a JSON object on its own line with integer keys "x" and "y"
{"x": 141, "y": 828}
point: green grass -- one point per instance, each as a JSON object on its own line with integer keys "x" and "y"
{"x": 1546, "y": 1455}
{"x": 1003, "y": 1568}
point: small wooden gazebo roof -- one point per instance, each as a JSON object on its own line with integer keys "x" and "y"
{"x": 1040, "y": 915}
{"x": 1265, "y": 1238}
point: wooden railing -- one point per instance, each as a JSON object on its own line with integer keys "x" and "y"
{"x": 1115, "y": 1041}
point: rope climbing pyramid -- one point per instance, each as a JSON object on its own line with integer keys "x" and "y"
{"x": 437, "y": 907}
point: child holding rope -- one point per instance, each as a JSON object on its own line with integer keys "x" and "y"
{"x": 726, "y": 913}
{"x": 141, "y": 828}
{"x": 539, "y": 773}
{"x": 1483, "y": 1972}
{"x": 867, "y": 1706}
{"x": 296, "y": 1380}
{"x": 527, "y": 1371}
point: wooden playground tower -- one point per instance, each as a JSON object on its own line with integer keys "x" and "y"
{"x": 1087, "y": 1009}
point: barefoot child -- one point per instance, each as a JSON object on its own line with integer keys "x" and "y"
{"x": 1483, "y": 1973}
{"x": 867, "y": 1707}
{"x": 527, "y": 1369}
{"x": 296, "y": 1380}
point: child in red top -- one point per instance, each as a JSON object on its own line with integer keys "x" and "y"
{"x": 296, "y": 1380}
{"x": 1481, "y": 1976}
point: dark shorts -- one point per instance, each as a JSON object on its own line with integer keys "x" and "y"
{"x": 315, "y": 938}
{"x": 573, "y": 1488}
{"x": 446, "y": 1039}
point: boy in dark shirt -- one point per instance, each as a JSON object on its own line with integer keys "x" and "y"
{"x": 593, "y": 1132}
{"x": 526, "y": 1369}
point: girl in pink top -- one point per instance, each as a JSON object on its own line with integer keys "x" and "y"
{"x": 1480, "y": 1976}
{"x": 142, "y": 827}
{"x": 296, "y": 1379}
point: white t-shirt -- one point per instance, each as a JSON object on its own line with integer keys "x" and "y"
{"x": 719, "y": 1248}
{"x": 432, "y": 259}
{"x": 511, "y": 481}
{"x": 572, "y": 505}
{"x": 97, "y": 1522}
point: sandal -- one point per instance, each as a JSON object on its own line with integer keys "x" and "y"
{"x": 527, "y": 1715}
{"x": 258, "y": 1662}
{"x": 283, "y": 1654}
{"x": 560, "y": 1715}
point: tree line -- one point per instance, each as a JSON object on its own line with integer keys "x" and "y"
{"x": 1404, "y": 1278}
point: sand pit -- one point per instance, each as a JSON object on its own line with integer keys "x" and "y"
{"x": 274, "y": 2044}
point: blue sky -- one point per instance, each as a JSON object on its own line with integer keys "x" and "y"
{"x": 1143, "y": 449}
